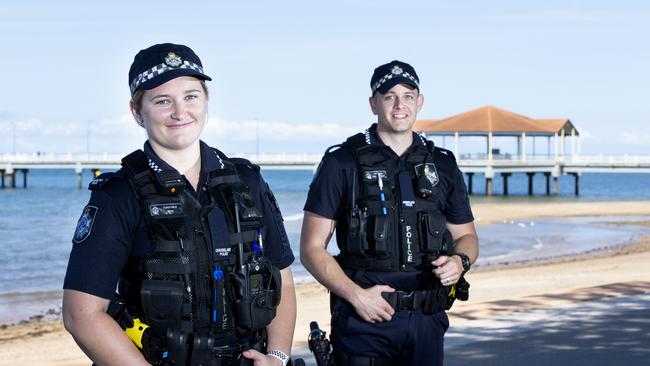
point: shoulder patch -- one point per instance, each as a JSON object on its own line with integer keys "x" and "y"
{"x": 85, "y": 224}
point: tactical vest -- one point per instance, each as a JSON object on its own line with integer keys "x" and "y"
{"x": 395, "y": 224}
{"x": 199, "y": 286}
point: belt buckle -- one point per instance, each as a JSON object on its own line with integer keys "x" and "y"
{"x": 405, "y": 300}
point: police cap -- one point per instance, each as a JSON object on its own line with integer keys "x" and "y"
{"x": 395, "y": 72}
{"x": 160, "y": 63}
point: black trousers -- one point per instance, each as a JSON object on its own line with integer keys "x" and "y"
{"x": 409, "y": 338}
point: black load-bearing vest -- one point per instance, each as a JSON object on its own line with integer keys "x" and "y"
{"x": 395, "y": 222}
{"x": 194, "y": 283}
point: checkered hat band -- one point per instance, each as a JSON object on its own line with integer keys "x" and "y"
{"x": 389, "y": 76}
{"x": 159, "y": 70}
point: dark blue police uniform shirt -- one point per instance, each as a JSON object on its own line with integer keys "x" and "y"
{"x": 116, "y": 230}
{"x": 332, "y": 185}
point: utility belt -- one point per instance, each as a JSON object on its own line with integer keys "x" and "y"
{"x": 430, "y": 301}
{"x": 176, "y": 347}
{"x": 202, "y": 350}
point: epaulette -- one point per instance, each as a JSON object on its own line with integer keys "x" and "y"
{"x": 102, "y": 180}
{"x": 245, "y": 163}
{"x": 443, "y": 151}
{"x": 332, "y": 148}
{"x": 357, "y": 141}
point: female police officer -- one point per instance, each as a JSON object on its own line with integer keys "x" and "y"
{"x": 193, "y": 240}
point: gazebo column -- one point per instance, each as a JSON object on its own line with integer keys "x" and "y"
{"x": 456, "y": 144}
{"x": 489, "y": 147}
{"x": 523, "y": 146}
{"x": 470, "y": 175}
{"x": 547, "y": 175}
{"x": 533, "y": 147}
{"x": 562, "y": 144}
{"x": 489, "y": 174}
{"x": 505, "y": 182}
{"x": 556, "y": 174}
{"x": 556, "y": 144}
{"x": 576, "y": 182}
{"x": 530, "y": 182}
{"x": 573, "y": 143}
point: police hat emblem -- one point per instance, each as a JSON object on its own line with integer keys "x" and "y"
{"x": 173, "y": 60}
{"x": 85, "y": 224}
{"x": 397, "y": 70}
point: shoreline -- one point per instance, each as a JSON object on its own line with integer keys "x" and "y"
{"x": 43, "y": 341}
{"x": 21, "y": 343}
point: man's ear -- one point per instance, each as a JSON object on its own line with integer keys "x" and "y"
{"x": 420, "y": 102}
{"x": 373, "y": 104}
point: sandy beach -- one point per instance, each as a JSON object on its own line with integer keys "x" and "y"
{"x": 495, "y": 292}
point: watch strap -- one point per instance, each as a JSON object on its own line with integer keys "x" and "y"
{"x": 464, "y": 259}
{"x": 279, "y": 355}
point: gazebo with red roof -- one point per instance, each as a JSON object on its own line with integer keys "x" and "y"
{"x": 490, "y": 121}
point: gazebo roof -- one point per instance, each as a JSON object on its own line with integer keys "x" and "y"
{"x": 499, "y": 121}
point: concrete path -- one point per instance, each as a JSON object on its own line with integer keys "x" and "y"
{"x": 606, "y": 325}
{"x": 613, "y": 331}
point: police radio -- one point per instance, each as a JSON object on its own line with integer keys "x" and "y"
{"x": 170, "y": 182}
{"x": 256, "y": 284}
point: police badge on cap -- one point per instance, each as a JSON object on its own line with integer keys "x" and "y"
{"x": 172, "y": 60}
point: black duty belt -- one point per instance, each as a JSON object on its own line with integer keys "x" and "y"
{"x": 403, "y": 300}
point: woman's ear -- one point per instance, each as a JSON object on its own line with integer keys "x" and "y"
{"x": 136, "y": 113}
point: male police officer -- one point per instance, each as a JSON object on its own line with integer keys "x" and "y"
{"x": 404, "y": 227}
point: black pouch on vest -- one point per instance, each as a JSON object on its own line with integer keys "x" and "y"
{"x": 432, "y": 229}
{"x": 358, "y": 231}
{"x": 380, "y": 234}
{"x": 162, "y": 302}
{"x": 256, "y": 309}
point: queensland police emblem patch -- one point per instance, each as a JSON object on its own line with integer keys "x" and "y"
{"x": 85, "y": 224}
{"x": 173, "y": 60}
{"x": 430, "y": 172}
{"x": 397, "y": 70}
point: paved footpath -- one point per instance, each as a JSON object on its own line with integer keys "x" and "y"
{"x": 605, "y": 325}
{"x": 599, "y": 331}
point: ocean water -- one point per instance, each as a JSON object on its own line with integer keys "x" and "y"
{"x": 37, "y": 224}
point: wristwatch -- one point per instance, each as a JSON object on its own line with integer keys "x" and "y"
{"x": 279, "y": 355}
{"x": 464, "y": 259}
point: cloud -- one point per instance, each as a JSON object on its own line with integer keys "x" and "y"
{"x": 275, "y": 136}
{"x": 117, "y": 135}
{"x": 635, "y": 139}
{"x": 277, "y": 131}
{"x": 120, "y": 135}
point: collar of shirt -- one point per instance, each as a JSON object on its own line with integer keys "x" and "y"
{"x": 373, "y": 138}
{"x": 210, "y": 161}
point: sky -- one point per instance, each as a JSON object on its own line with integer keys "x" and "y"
{"x": 293, "y": 76}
